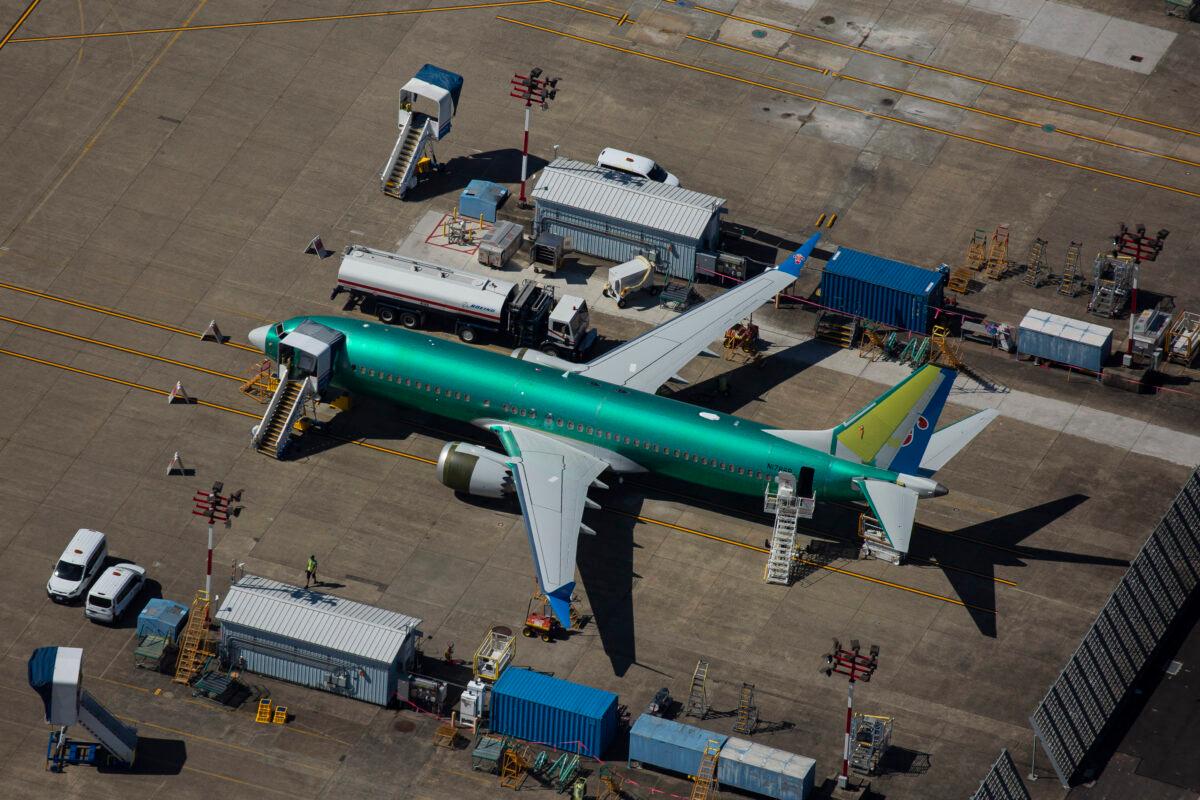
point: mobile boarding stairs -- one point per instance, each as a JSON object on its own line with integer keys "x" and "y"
{"x": 419, "y": 130}
{"x": 55, "y": 674}
{"x": 306, "y": 359}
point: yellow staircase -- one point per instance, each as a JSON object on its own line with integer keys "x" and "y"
{"x": 1068, "y": 284}
{"x": 947, "y": 352}
{"x": 705, "y": 779}
{"x": 261, "y": 384}
{"x": 977, "y": 250}
{"x": 194, "y": 647}
{"x": 747, "y": 711}
{"x": 514, "y": 766}
{"x": 998, "y": 265}
{"x": 959, "y": 280}
{"x": 1035, "y": 267}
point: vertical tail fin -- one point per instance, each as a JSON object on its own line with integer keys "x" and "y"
{"x": 894, "y": 430}
{"x": 891, "y": 432}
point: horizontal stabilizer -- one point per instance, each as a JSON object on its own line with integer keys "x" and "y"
{"x": 894, "y": 507}
{"x": 945, "y": 444}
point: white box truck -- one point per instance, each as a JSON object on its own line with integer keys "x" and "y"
{"x": 405, "y": 291}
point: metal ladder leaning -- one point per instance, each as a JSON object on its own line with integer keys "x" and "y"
{"x": 1035, "y": 267}
{"x": 193, "y": 647}
{"x": 697, "y": 703}
{"x": 747, "y": 712}
{"x": 1069, "y": 283}
{"x": 705, "y": 779}
{"x": 785, "y": 505}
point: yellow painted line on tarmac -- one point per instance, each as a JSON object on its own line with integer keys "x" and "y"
{"x": 264, "y": 22}
{"x": 205, "y": 403}
{"x": 806, "y": 562}
{"x": 16, "y": 26}
{"x": 865, "y": 112}
{"x": 941, "y": 70}
{"x": 117, "y": 314}
{"x": 91, "y": 142}
{"x": 952, "y": 104}
{"x": 120, "y": 348}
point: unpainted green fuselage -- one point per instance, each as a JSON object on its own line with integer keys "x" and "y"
{"x": 650, "y": 432}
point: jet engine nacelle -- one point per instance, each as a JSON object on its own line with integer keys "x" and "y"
{"x": 545, "y": 359}
{"x": 475, "y": 470}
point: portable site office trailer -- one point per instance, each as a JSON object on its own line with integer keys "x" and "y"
{"x": 616, "y": 216}
{"x": 316, "y": 639}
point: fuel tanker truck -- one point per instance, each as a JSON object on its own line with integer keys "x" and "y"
{"x": 404, "y": 291}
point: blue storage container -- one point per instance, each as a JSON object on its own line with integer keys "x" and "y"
{"x": 1064, "y": 340}
{"x": 481, "y": 199}
{"x": 881, "y": 290}
{"x": 669, "y": 745}
{"x": 161, "y": 617}
{"x": 765, "y": 770}
{"x": 554, "y": 712}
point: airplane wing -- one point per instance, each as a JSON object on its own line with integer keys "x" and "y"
{"x": 552, "y": 479}
{"x": 647, "y": 362}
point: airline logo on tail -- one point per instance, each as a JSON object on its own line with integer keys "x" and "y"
{"x": 893, "y": 431}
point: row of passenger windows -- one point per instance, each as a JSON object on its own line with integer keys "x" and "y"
{"x": 570, "y": 425}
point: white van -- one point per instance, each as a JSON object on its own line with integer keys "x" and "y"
{"x": 77, "y": 566}
{"x": 635, "y": 165}
{"x": 114, "y": 591}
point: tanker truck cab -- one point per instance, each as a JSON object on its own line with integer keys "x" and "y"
{"x": 569, "y": 331}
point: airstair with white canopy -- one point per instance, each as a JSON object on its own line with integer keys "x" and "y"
{"x": 55, "y": 674}
{"x": 306, "y": 357}
{"x": 419, "y": 130}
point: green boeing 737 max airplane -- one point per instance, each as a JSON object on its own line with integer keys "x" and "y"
{"x": 561, "y": 425}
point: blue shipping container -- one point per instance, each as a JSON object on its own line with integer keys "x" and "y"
{"x": 551, "y": 711}
{"x": 1064, "y": 340}
{"x": 765, "y": 770}
{"x": 162, "y": 618}
{"x": 669, "y": 745}
{"x": 481, "y": 199}
{"x": 881, "y": 290}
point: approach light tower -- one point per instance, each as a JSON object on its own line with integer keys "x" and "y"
{"x": 531, "y": 88}
{"x": 214, "y": 507}
{"x": 856, "y": 666}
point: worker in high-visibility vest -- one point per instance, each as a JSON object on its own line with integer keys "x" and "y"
{"x": 310, "y": 571}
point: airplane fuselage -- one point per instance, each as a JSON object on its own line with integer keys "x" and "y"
{"x": 634, "y": 431}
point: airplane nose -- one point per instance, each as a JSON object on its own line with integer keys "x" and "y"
{"x": 258, "y": 337}
{"x": 940, "y": 490}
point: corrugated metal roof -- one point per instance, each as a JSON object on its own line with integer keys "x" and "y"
{"x": 883, "y": 272}
{"x": 679, "y": 734}
{"x": 767, "y": 758}
{"x": 586, "y": 701}
{"x": 630, "y": 198}
{"x": 316, "y": 618}
{"x": 1064, "y": 327}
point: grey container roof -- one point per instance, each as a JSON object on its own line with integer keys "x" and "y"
{"x": 316, "y": 618}
{"x": 630, "y": 198}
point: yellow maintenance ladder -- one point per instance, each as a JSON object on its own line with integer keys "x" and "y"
{"x": 705, "y": 779}
{"x": 194, "y": 647}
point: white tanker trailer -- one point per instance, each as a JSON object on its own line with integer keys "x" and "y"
{"x": 405, "y": 291}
